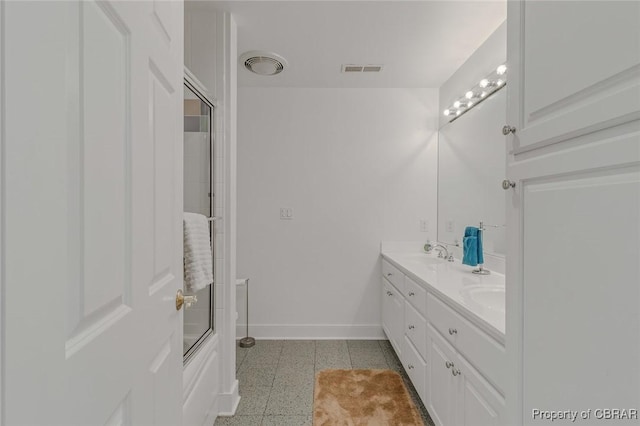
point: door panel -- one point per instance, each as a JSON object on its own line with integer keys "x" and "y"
{"x": 99, "y": 200}
{"x": 574, "y": 67}
{"x": 94, "y": 204}
{"x": 162, "y": 124}
{"x": 588, "y": 304}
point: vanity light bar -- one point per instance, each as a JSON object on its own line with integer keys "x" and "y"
{"x": 487, "y": 86}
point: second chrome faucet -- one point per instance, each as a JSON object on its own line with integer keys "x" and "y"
{"x": 443, "y": 253}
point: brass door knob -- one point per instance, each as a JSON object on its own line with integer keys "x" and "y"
{"x": 181, "y": 299}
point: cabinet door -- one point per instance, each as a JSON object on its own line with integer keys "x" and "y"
{"x": 392, "y": 315}
{"x": 440, "y": 382}
{"x": 386, "y": 308}
{"x": 397, "y": 323}
{"x": 415, "y": 367}
{"x": 477, "y": 402}
{"x": 574, "y": 68}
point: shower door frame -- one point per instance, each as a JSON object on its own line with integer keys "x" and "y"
{"x": 198, "y": 89}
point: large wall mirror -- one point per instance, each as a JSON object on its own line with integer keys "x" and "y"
{"x": 471, "y": 168}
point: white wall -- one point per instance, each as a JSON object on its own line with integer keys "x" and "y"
{"x": 357, "y": 166}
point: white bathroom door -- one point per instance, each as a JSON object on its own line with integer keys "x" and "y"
{"x": 91, "y": 212}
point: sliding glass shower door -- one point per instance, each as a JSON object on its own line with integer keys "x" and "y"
{"x": 198, "y": 149}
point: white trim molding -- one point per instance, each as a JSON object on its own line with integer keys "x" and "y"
{"x": 228, "y": 401}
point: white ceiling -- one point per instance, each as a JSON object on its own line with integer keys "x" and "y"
{"x": 420, "y": 43}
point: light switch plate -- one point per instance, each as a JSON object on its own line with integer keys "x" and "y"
{"x": 424, "y": 225}
{"x": 286, "y": 213}
{"x": 450, "y": 226}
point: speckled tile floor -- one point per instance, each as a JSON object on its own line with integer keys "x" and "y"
{"x": 277, "y": 376}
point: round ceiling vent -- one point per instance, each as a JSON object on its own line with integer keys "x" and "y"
{"x": 263, "y": 63}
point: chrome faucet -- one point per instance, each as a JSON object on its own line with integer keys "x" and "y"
{"x": 439, "y": 248}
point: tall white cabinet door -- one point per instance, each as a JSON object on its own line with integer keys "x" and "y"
{"x": 441, "y": 385}
{"x": 573, "y": 68}
{"x": 478, "y": 403}
{"x": 581, "y": 328}
{"x": 91, "y": 217}
{"x": 573, "y": 217}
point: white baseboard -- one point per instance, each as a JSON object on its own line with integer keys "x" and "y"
{"x": 312, "y": 331}
{"x": 228, "y": 401}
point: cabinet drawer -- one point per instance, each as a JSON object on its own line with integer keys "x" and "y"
{"x": 415, "y": 294}
{"x": 415, "y": 366}
{"x": 488, "y": 356}
{"x": 393, "y": 274}
{"x": 415, "y": 328}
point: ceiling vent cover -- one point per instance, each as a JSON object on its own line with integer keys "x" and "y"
{"x": 263, "y": 63}
{"x": 361, "y": 68}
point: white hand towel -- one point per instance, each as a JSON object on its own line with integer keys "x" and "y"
{"x": 198, "y": 261}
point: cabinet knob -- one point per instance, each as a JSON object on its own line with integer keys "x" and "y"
{"x": 506, "y": 184}
{"x": 411, "y": 293}
{"x": 453, "y": 331}
{"x": 449, "y": 364}
{"x": 389, "y": 274}
{"x": 455, "y": 372}
{"x": 411, "y": 327}
{"x": 410, "y": 367}
{"x": 508, "y": 129}
{"x": 389, "y": 293}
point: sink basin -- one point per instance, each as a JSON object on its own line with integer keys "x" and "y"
{"x": 489, "y": 297}
{"x": 424, "y": 258}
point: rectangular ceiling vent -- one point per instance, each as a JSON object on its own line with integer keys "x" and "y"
{"x": 361, "y": 68}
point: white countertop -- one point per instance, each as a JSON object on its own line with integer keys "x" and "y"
{"x": 455, "y": 284}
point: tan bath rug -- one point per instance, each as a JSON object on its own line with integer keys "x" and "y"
{"x": 362, "y": 398}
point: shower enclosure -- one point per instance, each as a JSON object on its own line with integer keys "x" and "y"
{"x": 198, "y": 198}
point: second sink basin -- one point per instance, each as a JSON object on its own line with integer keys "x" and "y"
{"x": 489, "y": 297}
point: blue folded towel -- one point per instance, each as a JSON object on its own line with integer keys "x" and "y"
{"x": 472, "y": 246}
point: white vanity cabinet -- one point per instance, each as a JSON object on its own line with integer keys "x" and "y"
{"x": 456, "y": 367}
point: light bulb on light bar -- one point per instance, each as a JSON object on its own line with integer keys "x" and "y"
{"x": 477, "y": 94}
